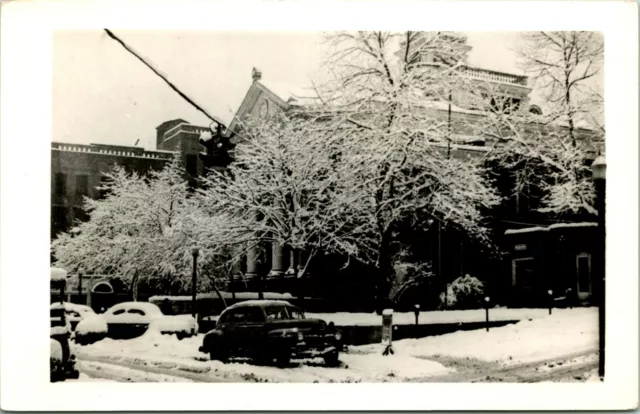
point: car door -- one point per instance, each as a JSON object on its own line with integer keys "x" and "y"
{"x": 248, "y": 330}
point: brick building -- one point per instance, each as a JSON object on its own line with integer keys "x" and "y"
{"x": 76, "y": 171}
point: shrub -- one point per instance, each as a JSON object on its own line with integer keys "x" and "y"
{"x": 90, "y": 329}
{"x": 466, "y": 292}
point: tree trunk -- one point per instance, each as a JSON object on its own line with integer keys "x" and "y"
{"x": 383, "y": 286}
{"x": 224, "y": 303}
{"x": 134, "y": 288}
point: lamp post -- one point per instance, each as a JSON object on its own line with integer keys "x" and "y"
{"x": 194, "y": 280}
{"x": 487, "y": 299}
{"x": 599, "y": 169}
{"x": 550, "y": 293}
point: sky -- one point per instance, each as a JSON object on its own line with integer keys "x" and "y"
{"x": 103, "y": 94}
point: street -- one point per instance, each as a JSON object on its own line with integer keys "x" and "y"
{"x": 569, "y": 368}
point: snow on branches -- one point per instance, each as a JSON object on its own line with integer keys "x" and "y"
{"x": 379, "y": 107}
{"x": 143, "y": 228}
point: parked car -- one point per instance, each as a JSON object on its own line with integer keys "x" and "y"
{"x": 73, "y": 312}
{"x": 62, "y": 361}
{"x": 130, "y": 319}
{"x": 265, "y": 330}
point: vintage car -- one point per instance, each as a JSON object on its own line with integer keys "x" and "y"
{"x": 73, "y": 312}
{"x": 264, "y": 330}
{"x": 131, "y": 319}
{"x": 62, "y": 361}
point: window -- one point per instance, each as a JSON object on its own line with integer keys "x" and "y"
{"x": 136, "y": 312}
{"x": 82, "y": 186}
{"x": 192, "y": 164}
{"x": 583, "y": 269}
{"x": 119, "y": 312}
{"x": 535, "y": 109}
{"x": 523, "y": 273}
{"x": 295, "y": 313}
{"x": 243, "y": 315}
{"x": 61, "y": 183}
{"x": 103, "y": 193}
{"x": 59, "y": 219}
{"x": 276, "y": 313}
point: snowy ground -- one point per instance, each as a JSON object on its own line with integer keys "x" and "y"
{"x": 568, "y": 336}
{"x": 565, "y": 331}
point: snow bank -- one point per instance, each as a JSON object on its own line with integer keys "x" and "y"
{"x": 566, "y": 331}
{"x": 152, "y": 344}
{"x": 96, "y": 324}
{"x": 175, "y": 324}
{"x": 429, "y": 317}
{"x": 56, "y": 350}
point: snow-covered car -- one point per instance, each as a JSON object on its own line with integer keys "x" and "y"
{"x": 131, "y": 319}
{"x": 265, "y": 330}
{"x": 182, "y": 326}
{"x": 90, "y": 329}
{"x": 73, "y": 312}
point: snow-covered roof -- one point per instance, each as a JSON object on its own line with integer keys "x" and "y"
{"x": 572, "y": 225}
{"x": 58, "y": 274}
{"x": 287, "y": 91}
{"x": 225, "y": 295}
{"x": 551, "y": 227}
{"x": 525, "y": 230}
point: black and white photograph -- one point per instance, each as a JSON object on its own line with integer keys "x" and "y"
{"x": 327, "y": 207}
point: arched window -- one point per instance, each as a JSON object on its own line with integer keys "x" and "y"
{"x": 535, "y": 109}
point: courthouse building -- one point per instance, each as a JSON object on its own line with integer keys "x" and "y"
{"x": 539, "y": 252}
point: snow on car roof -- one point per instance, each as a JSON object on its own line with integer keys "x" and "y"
{"x": 144, "y": 306}
{"x": 71, "y": 307}
{"x": 259, "y": 302}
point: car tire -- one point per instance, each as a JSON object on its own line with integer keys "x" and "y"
{"x": 218, "y": 356}
{"x": 331, "y": 359}
{"x": 283, "y": 360}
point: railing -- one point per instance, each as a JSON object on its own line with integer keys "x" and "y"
{"x": 105, "y": 151}
{"x": 496, "y": 76}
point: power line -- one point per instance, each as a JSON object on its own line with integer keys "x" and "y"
{"x": 164, "y": 78}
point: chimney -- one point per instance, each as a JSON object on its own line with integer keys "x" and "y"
{"x": 256, "y": 74}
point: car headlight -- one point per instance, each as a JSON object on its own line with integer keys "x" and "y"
{"x": 338, "y": 336}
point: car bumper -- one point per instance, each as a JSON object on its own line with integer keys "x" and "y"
{"x": 301, "y": 351}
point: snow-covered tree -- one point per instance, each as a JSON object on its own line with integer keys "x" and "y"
{"x": 381, "y": 107}
{"x": 141, "y": 230}
{"x": 547, "y": 152}
{"x": 279, "y": 189}
{"x": 566, "y": 68}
